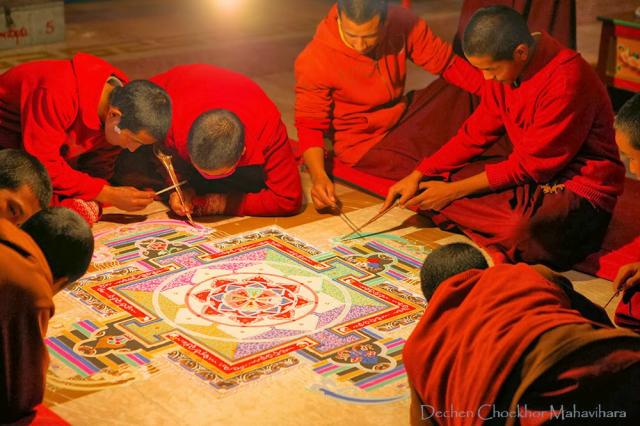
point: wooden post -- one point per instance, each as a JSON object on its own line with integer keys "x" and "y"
{"x": 606, "y": 41}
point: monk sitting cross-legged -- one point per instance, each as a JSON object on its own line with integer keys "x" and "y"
{"x": 350, "y": 84}
{"x": 549, "y": 200}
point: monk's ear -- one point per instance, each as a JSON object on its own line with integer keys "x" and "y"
{"x": 114, "y": 112}
{"x": 521, "y": 53}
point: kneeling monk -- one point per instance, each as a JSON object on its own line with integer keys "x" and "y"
{"x": 230, "y": 143}
{"x": 75, "y": 116}
{"x": 350, "y": 89}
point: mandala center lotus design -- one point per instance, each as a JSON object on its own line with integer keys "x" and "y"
{"x": 252, "y": 300}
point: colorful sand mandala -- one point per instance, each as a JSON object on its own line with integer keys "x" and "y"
{"x": 227, "y": 312}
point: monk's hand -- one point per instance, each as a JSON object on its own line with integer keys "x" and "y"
{"x": 403, "y": 189}
{"x": 323, "y": 193}
{"x": 177, "y": 207}
{"x": 435, "y": 195}
{"x": 125, "y": 198}
{"x": 628, "y": 277}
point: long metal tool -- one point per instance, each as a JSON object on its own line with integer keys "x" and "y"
{"x": 165, "y": 159}
{"x": 616, "y": 294}
{"x": 379, "y": 215}
{"x": 348, "y": 221}
{"x": 369, "y": 222}
{"x": 169, "y": 188}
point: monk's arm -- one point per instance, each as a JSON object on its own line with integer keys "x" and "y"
{"x": 314, "y": 160}
{"x": 322, "y": 189}
{"x": 437, "y": 195}
{"x": 481, "y": 130}
{"x": 437, "y": 57}
{"x": 473, "y": 185}
{"x": 464, "y": 75}
{"x": 45, "y": 118}
{"x": 312, "y": 120}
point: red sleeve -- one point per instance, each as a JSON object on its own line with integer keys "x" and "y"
{"x": 464, "y": 75}
{"x": 25, "y": 360}
{"x": 426, "y": 49}
{"x": 558, "y": 130}
{"x": 45, "y": 117}
{"x": 313, "y": 102}
{"x": 283, "y": 194}
{"x": 481, "y": 130}
{"x": 436, "y": 56}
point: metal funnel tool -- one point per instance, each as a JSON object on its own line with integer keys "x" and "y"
{"x": 165, "y": 159}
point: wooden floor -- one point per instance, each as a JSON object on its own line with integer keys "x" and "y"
{"x": 262, "y": 39}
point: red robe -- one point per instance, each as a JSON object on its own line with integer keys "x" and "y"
{"x": 195, "y": 89}
{"x": 50, "y": 109}
{"x": 475, "y": 330}
{"x": 26, "y": 304}
{"x": 559, "y": 121}
{"x": 355, "y": 99}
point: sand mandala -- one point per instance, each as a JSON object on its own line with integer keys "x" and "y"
{"x": 230, "y": 311}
